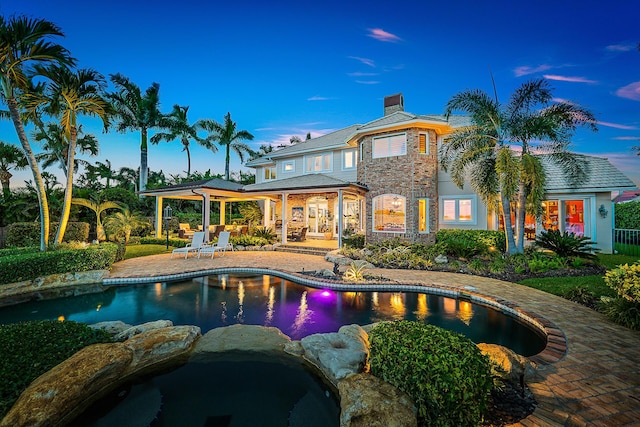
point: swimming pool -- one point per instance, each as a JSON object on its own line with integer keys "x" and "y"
{"x": 225, "y": 299}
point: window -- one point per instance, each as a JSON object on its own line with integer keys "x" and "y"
{"x": 349, "y": 159}
{"x": 387, "y": 146}
{"x": 318, "y": 163}
{"x": 458, "y": 210}
{"x": 389, "y": 213}
{"x": 423, "y": 143}
{"x": 423, "y": 215}
{"x": 288, "y": 166}
{"x": 269, "y": 173}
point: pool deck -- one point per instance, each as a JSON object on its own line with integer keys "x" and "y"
{"x": 595, "y": 383}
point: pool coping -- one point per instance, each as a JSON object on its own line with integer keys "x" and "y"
{"x": 554, "y": 351}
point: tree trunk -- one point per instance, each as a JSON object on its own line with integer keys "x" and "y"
{"x": 506, "y": 218}
{"x": 37, "y": 176}
{"x": 226, "y": 162}
{"x": 144, "y": 173}
{"x": 68, "y": 191}
{"x": 5, "y": 179}
{"x": 520, "y": 217}
{"x": 186, "y": 148}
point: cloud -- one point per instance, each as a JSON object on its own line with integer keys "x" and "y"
{"x": 627, "y": 138}
{"x": 630, "y": 91}
{"x": 526, "y": 70}
{"x": 568, "y": 79}
{"x": 368, "y": 82}
{"x": 382, "y": 35}
{"x": 365, "y": 61}
{"x": 359, "y": 74}
{"x": 625, "y": 47}
{"x": 319, "y": 98}
{"x": 617, "y": 126}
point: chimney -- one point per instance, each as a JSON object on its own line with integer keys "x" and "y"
{"x": 393, "y": 103}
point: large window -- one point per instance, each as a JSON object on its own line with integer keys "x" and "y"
{"x": 318, "y": 163}
{"x": 423, "y": 215}
{"x": 349, "y": 159}
{"x": 269, "y": 173}
{"x": 458, "y": 210}
{"x": 389, "y": 213}
{"x": 392, "y": 145}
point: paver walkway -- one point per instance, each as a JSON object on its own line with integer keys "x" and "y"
{"x": 597, "y": 382}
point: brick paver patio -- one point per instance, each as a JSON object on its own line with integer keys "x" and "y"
{"x": 596, "y": 382}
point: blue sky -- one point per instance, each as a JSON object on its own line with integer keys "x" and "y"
{"x": 287, "y": 68}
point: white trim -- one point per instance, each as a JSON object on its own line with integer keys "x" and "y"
{"x": 427, "y": 207}
{"x": 427, "y": 143}
{"x": 474, "y": 209}
{"x": 388, "y": 152}
{"x": 353, "y": 151}
{"x": 322, "y": 169}
{"x": 403, "y": 201}
{"x": 285, "y": 163}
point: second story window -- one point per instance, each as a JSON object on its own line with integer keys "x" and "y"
{"x": 269, "y": 173}
{"x": 423, "y": 143}
{"x": 288, "y": 166}
{"x": 391, "y": 145}
{"x": 318, "y": 163}
{"x": 349, "y": 159}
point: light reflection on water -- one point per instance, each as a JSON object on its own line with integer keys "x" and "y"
{"x": 221, "y": 300}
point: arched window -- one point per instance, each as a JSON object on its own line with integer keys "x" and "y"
{"x": 389, "y": 213}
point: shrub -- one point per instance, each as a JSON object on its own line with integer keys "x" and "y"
{"x": 567, "y": 244}
{"x": 76, "y": 231}
{"x": 476, "y": 265}
{"x": 628, "y": 215}
{"x": 49, "y": 343}
{"x": 176, "y": 243}
{"x": 355, "y": 272}
{"x": 355, "y": 241}
{"x": 246, "y": 240}
{"x": 429, "y": 251}
{"x": 582, "y": 295}
{"x": 266, "y": 233}
{"x": 621, "y": 311}
{"x": 20, "y": 234}
{"x": 19, "y": 251}
{"x": 625, "y": 280}
{"x": 445, "y": 373}
{"x": 463, "y": 248}
{"x": 28, "y": 266}
{"x": 481, "y": 238}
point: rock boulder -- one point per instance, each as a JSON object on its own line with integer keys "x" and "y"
{"x": 514, "y": 367}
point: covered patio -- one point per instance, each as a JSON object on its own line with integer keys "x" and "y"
{"x": 315, "y": 207}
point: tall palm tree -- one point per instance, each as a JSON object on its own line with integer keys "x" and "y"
{"x": 127, "y": 178}
{"x": 227, "y": 136}
{"x": 70, "y": 94}
{"x": 179, "y": 128}
{"x": 11, "y": 157}
{"x": 98, "y": 208}
{"x": 25, "y": 41}
{"x": 137, "y": 112}
{"x": 496, "y": 151}
{"x": 103, "y": 170}
{"x": 56, "y": 146}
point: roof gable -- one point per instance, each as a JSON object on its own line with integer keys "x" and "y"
{"x": 601, "y": 176}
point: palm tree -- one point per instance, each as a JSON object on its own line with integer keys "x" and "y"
{"x": 127, "y": 178}
{"x": 11, "y": 157}
{"x": 137, "y": 112}
{"x": 98, "y": 208}
{"x": 495, "y": 152}
{"x": 103, "y": 170}
{"x": 68, "y": 96}
{"x": 227, "y": 136}
{"x": 179, "y": 128}
{"x": 24, "y": 41}
{"x": 56, "y": 146}
{"x": 121, "y": 224}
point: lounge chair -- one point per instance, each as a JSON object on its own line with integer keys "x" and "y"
{"x": 220, "y": 246}
{"x": 196, "y": 244}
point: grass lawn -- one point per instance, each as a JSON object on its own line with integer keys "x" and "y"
{"x": 134, "y": 251}
{"x": 595, "y": 284}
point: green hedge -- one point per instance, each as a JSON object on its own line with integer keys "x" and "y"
{"x": 20, "y": 234}
{"x": 473, "y": 238}
{"x": 176, "y": 243}
{"x": 628, "y": 215}
{"x": 49, "y": 343}
{"x": 28, "y": 266}
{"x": 445, "y": 373}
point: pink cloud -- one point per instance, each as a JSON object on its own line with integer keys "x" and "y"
{"x": 382, "y": 35}
{"x": 526, "y": 70}
{"x": 365, "y": 61}
{"x": 617, "y": 126}
{"x": 630, "y": 91}
{"x": 568, "y": 79}
{"x": 620, "y": 47}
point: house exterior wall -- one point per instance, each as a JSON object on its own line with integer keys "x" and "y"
{"x": 446, "y": 188}
{"x": 413, "y": 176}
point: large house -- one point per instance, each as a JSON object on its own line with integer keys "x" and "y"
{"x": 383, "y": 179}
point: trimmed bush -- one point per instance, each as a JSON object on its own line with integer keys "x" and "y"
{"x": 473, "y": 238}
{"x": 625, "y": 280}
{"x": 355, "y": 241}
{"x": 49, "y": 343}
{"x": 445, "y": 373}
{"x": 28, "y": 266}
{"x": 20, "y": 234}
{"x": 176, "y": 243}
{"x": 76, "y": 232}
{"x": 628, "y": 215}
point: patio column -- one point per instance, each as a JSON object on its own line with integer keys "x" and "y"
{"x": 267, "y": 212}
{"x": 206, "y": 214}
{"x": 340, "y": 217}
{"x": 284, "y": 218}
{"x": 223, "y": 212}
{"x": 158, "y": 217}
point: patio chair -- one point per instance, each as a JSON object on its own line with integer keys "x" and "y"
{"x": 220, "y": 246}
{"x": 300, "y": 235}
{"x": 194, "y": 246}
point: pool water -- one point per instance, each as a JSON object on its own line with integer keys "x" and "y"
{"x": 221, "y": 300}
{"x": 230, "y": 389}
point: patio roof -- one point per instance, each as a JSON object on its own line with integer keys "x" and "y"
{"x": 194, "y": 189}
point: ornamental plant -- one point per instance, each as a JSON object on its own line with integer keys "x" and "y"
{"x": 445, "y": 373}
{"x": 625, "y": 308}
{"x": 567, "y": 244}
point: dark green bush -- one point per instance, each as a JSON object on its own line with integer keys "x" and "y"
{"x": 176, "y": 243}
{"x": 20, "y": 234}
{"x": 445, "y": 373}
{"x": 567, "y": 244}
{"x": 19, "y": 251}
{"x": 621, "y": 311}
{"x": 30, "y": 349}
{"x": 481, "y": 238}
{"x": 628, "y": 215}
{"x": 581, "y": 295}
{"x": 266, "y": 233}
{"x": 27, "y": 266}
{"x": 76, "y": 232}
{"x": 355, "y": 241}
{"x": 246, "y": 240}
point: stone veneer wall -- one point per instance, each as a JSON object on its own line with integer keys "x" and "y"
{"x": 413, "y": 176}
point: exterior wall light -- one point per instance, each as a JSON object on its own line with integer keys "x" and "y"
{"x": 603, "y": 211}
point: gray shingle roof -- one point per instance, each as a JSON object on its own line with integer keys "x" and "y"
{"x": 601, "y": 176}
{"x": 316, "y": 180}
{"x": 214, "y": 184}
